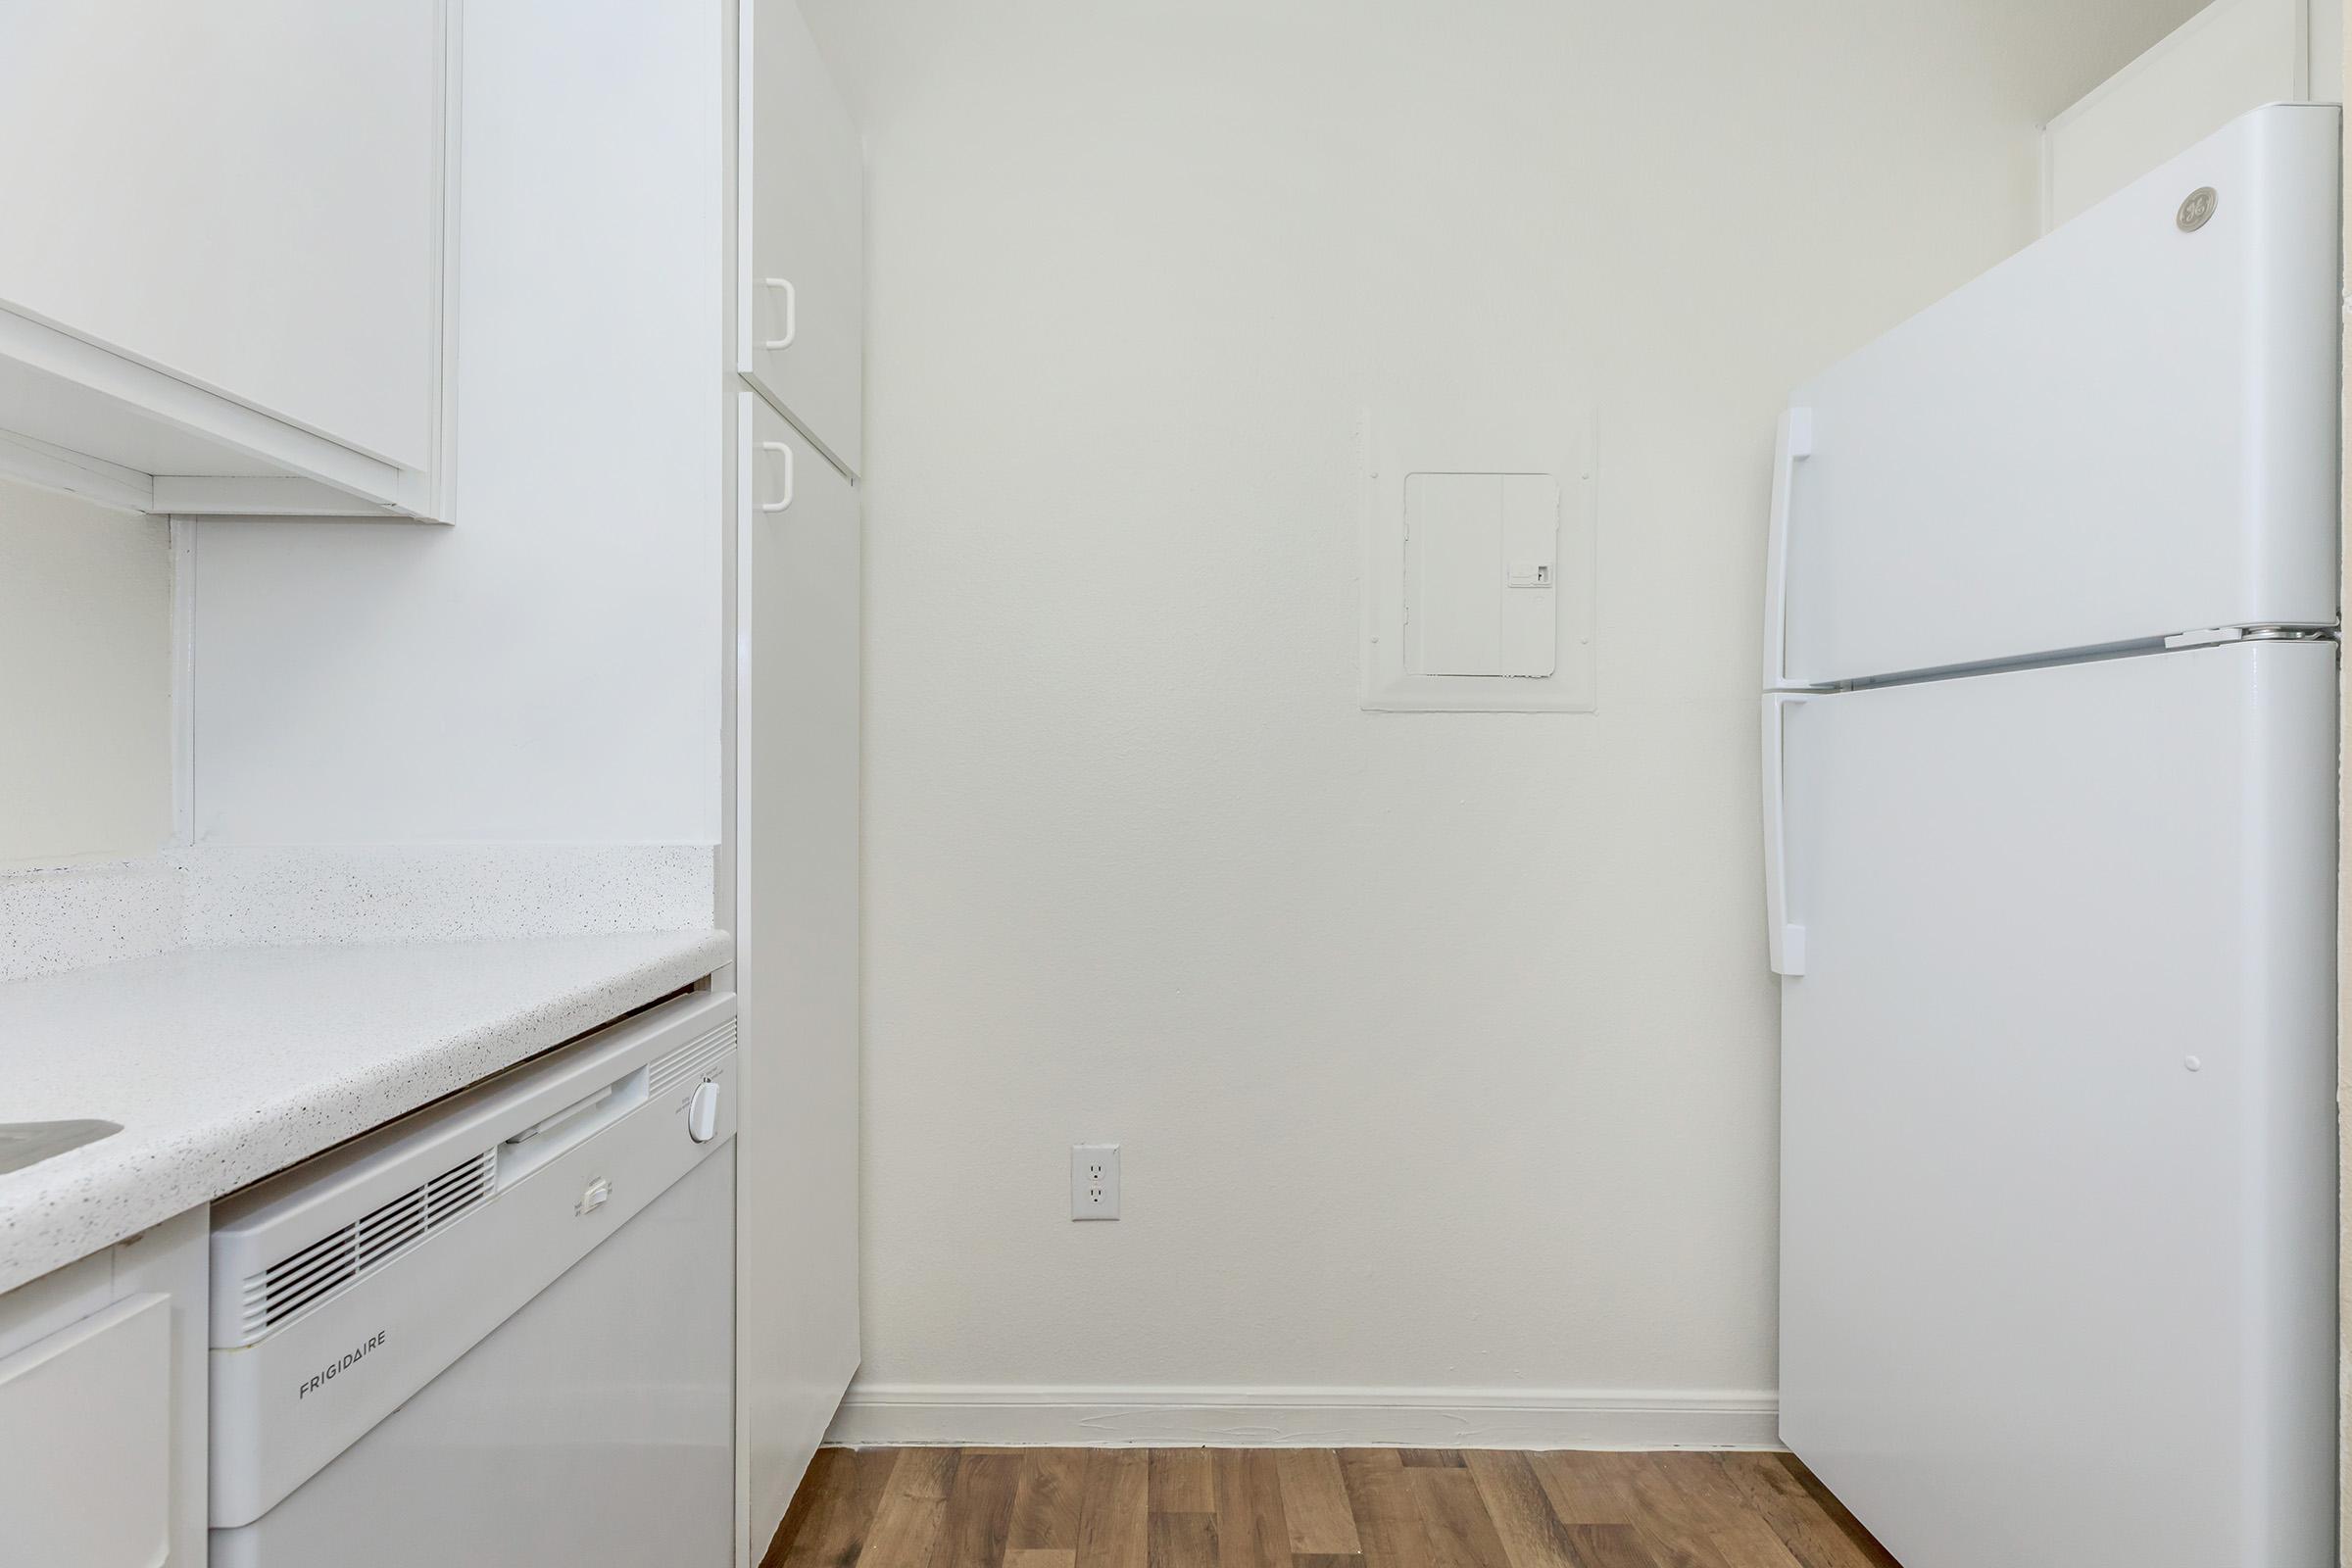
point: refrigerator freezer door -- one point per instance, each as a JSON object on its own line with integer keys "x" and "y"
{"x": 2058, "y": 1242}
{"x": 2125, "y": 431}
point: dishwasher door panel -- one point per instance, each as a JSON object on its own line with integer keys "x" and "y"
{"x": 594, "y": 1428}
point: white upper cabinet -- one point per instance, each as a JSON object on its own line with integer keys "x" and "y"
{"x": 2229, "y": 58}
{"x": 221, "y": 276}
{"x": 802, "y": 227}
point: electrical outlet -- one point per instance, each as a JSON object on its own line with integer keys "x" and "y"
{"x": 1093, "y": 1181}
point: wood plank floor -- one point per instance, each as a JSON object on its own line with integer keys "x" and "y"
{"x": 1313, "y": 1508}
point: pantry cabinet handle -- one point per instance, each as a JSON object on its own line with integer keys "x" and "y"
{"x": 791, "y": 314}
{"x": 786, "y": 450}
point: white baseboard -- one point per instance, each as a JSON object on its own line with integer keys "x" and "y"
{"x": 888, "y": 1414}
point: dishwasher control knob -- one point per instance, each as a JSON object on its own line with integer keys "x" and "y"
{"x": 701, "y": 1113}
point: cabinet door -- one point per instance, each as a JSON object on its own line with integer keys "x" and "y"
{"x": 801, "y": 301}
{"x": 86, "y": 1441}
{"x": 2228, "y": 58}
{"x": 244, "y": 193}
{"x": 797, "y": 946}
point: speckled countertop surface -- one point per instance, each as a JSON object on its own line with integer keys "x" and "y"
{"x": 223, "y": 1064}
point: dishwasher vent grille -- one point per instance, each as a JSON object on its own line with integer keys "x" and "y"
{"x": 692, "y": 1060}
{"x": 305, "y": 1278}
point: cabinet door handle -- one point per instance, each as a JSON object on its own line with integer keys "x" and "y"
{"x": 791, "y": 314}
{"x": 786, "y": 450}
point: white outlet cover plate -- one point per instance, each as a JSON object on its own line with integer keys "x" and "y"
{"x": 1093, "y": 1181}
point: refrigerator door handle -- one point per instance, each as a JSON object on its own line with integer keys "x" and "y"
{"x": 1784, "y": 940}
{"x": 1791, "y": 445}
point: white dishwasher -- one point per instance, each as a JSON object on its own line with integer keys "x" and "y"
{"x": 497, "y": 1332}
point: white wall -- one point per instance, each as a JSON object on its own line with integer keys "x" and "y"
{"x": 85, "y": 681}
{"x": 548, "y": 670}
{"x": 1441, "y": 1046}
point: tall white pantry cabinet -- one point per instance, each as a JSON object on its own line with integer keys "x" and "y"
{"x": 798, "y": 395}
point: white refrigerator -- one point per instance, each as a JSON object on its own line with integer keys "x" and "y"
{"x": 2049, "y": 768}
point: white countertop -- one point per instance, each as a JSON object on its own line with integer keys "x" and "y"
{"x": 223, "y": 1064}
